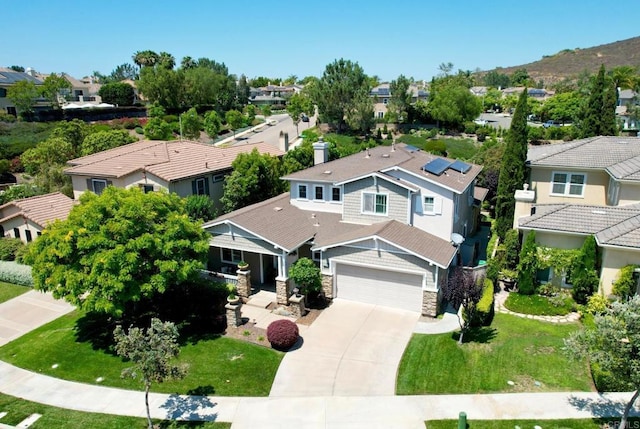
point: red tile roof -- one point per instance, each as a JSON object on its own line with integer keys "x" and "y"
{"x": 41, "y": 209}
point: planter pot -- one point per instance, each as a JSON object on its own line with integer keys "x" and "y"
{"x": 233, "y": 300}
{"x": 243, "y": 267}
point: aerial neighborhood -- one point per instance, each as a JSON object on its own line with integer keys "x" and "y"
{"x": 174, "y": 230}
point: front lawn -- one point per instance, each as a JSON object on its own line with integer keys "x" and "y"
{"x": 559, "y": 305}
{"x": 9, "y": 290}
{"x": 58, "y": 418}
{"x": 525, "y": 352}
{"x": 218, "y": 365}
{"x": 546, "y": 424}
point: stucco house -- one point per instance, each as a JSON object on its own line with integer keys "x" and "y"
{"x": 8, "y": 78}
{"x": 585, "y": 187}
{"x": 381, "y": 96}
{"x": 383, "y": 225}
{"x": 184, "y": 167}
{"x": 26, "y": 218}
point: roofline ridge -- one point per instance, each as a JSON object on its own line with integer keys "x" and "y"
{"x": 155, "y": 143}
{"x": 616, "y": 224}
{"x": 569, "y": 146}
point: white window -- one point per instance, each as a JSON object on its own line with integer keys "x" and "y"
{"x": 613, "y": 192}
{"x": 374, "y": 203}
{"x": 302, "y": 191}
{"x": 336, "y": 194}
{"x": 568, "y": 184}
{"x": 201, "y": 187}
{"x": 218, "y": 178}
{"x": 231, "y": 255}
{"x": 98, "y": 185}
{"x": 385, "y": 101}
{"x": 316, "y": 255}
{"x": 429, "y": 205}
{"x": 319, "y": 192}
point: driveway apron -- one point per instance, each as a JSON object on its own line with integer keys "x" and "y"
{"x": 351, "y": 349}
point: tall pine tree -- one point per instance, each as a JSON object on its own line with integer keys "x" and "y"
{"x": 599, "y": 117}
{"x": 512, "y": 170}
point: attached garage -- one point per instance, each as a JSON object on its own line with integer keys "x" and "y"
{"x": 381, "y": 287}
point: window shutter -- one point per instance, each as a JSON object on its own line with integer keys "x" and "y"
{"x": 194, "y": 189}
{"x": 437, "y": 205}
{"x": 89, "y": 185}
{"x": 206, "y": 186}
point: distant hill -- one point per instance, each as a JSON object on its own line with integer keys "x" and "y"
{"x": 569, "y": 63}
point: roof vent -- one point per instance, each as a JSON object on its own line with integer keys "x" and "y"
{"x": 277, "y": 209}
{"x": 599, "y": 212}
{"x": 326, "y": 172}
{"x": 385, "y": 155}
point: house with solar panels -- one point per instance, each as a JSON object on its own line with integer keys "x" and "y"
{"x": 384, "y": 225}
{"x": 381, "y": 95}
{"x": 8, "y": 78}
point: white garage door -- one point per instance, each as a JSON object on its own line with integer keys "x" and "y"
{"x": 380, "y": 287}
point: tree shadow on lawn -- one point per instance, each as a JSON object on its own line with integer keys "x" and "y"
{"x": 96, "y": 329}
{"x": 482, "y": 334}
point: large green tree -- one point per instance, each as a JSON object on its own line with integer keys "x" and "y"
{"x": 151, "y": 352}
{"x": 212, "y": 123}
{"x": 298, "y": 104}
{"x": 599, "y": 110}
{"x": 563, "y": 107}
{"x": 104, "y": 140}
{"x": 162, "y": 85}
{"x": 53, "y": 86}
{"x": 118, "y": 248}
{"x": 191, "y": 124}
{"x": 54, "y": 150}
{"x": 234, "y": 120}
{"x": 359, "y": 116}
{"x": 612, "y": 348}
{"x": 400, "y": 99}
{"x": 342, "y": 84}
{"x": 512, "y": 171}
{"x": 255, "y": 178}
{"x": 145, "y": 58}
{"x": 452, "y": 103}
{"x": 23, "y": 95}
{"x": 117, "y": 93}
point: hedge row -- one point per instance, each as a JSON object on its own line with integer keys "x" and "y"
{"x": 12, "y": 272}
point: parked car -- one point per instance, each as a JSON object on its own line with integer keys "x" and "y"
{"x": 304, "y": 118}
{"x": 551, "y": 124}
{"x": 481, "y": 121}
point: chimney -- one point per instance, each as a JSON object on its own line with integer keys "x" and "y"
{"x": 320, "y": 152}
{"x": 283, "y": 141}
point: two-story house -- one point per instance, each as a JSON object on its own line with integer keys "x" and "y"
{"x": 585, "y": 187}
{"x": 184, "y": 167}
{"x": 381, "y": 96}
{"x": 383, "y": 225}
{"x": 8, "y": 78}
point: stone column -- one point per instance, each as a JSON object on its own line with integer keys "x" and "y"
{"x": 327, "y": 285}
{"x": 244, "y": 283}
{"x": 297, "y": 305}
{"x": 234, "y": 314}
{"x": 429, "y": 303}
{"x": 282, "y": 290}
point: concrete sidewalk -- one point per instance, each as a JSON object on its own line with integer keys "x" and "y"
{"x": 28, "y": 311}
{"x": 311, "y": 412}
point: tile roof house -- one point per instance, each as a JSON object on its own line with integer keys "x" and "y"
{"x": 26, "y": 218}
{"x": 184, "y": 167}
{"x": 381, "y": 95}
{"x": 380, "y": 224}
{"x": 585, "y": 187}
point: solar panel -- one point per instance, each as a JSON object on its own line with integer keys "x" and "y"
{"x": 409, "y": 148}
{"x": 460, "y": 166}
{"x": 437, "y": 166}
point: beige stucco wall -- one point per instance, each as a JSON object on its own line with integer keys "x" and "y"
{"x": 559, "y": 241}
{"x": 629, "y": 194}
{"x": 595, "y": 192}
{"x": 612, "y": 260}
{"x": 19, "y": 223}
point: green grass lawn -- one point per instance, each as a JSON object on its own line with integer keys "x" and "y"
{"x": 217, "y": 366}
{"x": 58, "y": 418}
{"x": 512, "y": 349}
{"x": 9, "y": 290}
{"x": 528, "y": 424}
{"x": 540, "y": 305}
{"x": 460, "y": 148}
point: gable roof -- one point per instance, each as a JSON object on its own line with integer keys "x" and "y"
{"x": 384, "y": 159}
{"x": 286, "y": 226}
{"x": 618, "y": 156}
{"x": 41, "y": 209}
{"x": 9, "y": 77}
{"x": 612, "y": 226}
{"x": 168, "y": 160}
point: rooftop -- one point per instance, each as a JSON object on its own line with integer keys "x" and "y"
{"x": 41, "y": 209}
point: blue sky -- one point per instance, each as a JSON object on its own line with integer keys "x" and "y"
{"x": 283, "y": 38}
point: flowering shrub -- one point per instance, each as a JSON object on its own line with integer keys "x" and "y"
{"x": 12, "y": 272}
{"x": 282, "y": 334}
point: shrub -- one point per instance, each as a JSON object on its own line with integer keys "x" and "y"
{"x": 528, "y": 265}
{"x": 12, "y": 272}
{"x": 625, "y": 285}
{"x": 9, "y": 247}
{"x": 6, "y": 117}
{"x": 584, "y": 286}
{"x": 597, "y": 304}
{"x": 485, "y": 309}
{"x": 470, "y": 127}
{"x": 139, "y": 130}
{"x": 282, "y": 334}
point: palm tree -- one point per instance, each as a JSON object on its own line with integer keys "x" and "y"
{"x": 145, "y": 58}
{"x": 166, "y": 60}
{"x": 187, "y": 63}
{"x": 624, "y": 77}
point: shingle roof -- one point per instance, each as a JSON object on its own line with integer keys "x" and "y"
{"x": 619, "y": 156}
{"x": 384, "y": 159}
{"x": 41, "y": 209}
{"x": 287, "y": 226}
{"x": 619, "y": 226}
{"x": 172, "y": 160}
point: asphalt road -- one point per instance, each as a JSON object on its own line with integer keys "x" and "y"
{"x": 502, "y": 120}
{"x": 271, "y": 133}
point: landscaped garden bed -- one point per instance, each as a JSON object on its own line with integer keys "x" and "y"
{"x": 512, "y": 355}
{"x": 559, "y": 304}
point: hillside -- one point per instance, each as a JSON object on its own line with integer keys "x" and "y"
{"x": 569, "y": 63}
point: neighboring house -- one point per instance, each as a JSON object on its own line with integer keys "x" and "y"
{"x": 272, "y": 94}
{"x": 585, "y": 187}
{"x": 381, "y": 95}
{"x": 8, "y": 78}
{"x": 184, "y": 167}
{"x": 626, "y": 110}
{"x": 537, "y": 93}
{"x": 383, "y": 225}
{"x": 26, "y": 218}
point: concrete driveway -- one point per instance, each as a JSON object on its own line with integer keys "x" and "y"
{"x": 351, "y": 349}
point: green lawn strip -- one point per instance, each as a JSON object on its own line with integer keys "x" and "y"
{"x": 520, "y": 350}
{"x": 538, "y": 305}
{"x": 59, "y": 418}
{"x": 218, "y": 366}
{"x": 9, "y": 290}
{"x": 529, "y": 424}
{"x": 460, "y": 148}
